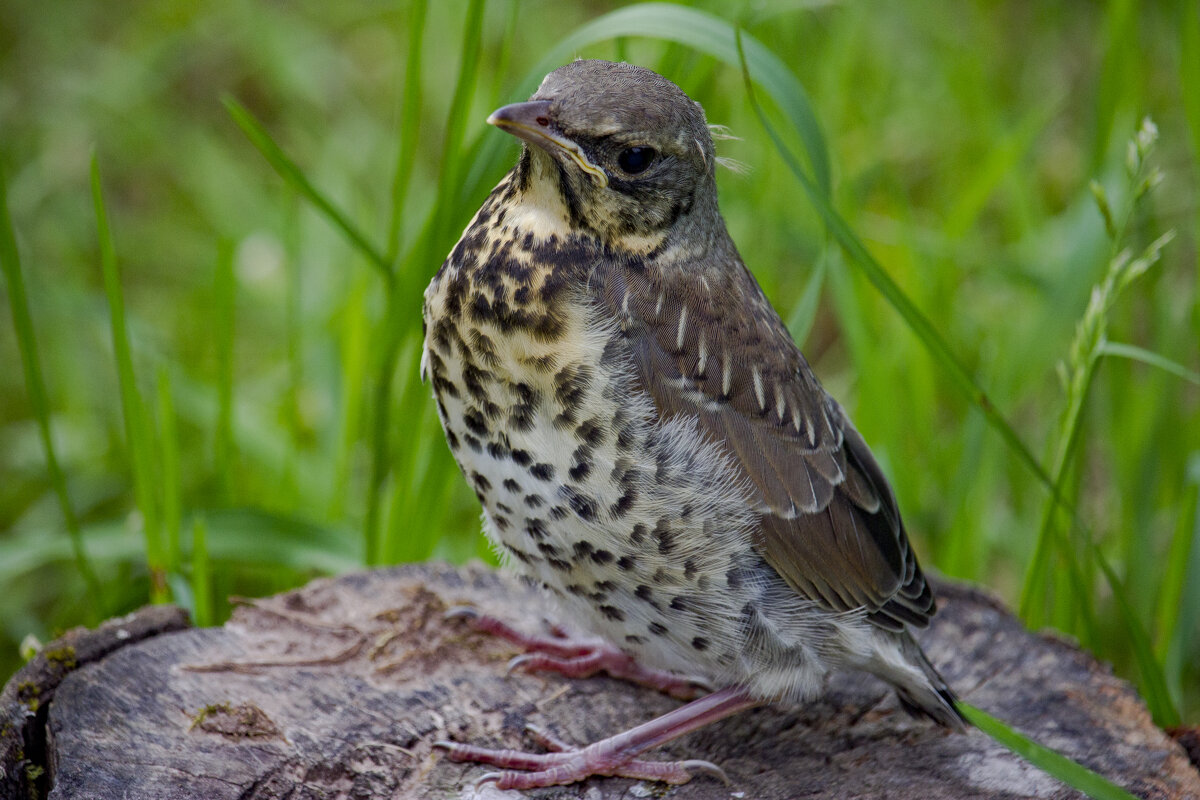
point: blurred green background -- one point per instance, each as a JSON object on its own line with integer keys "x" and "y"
{"x": 270, "y": 426}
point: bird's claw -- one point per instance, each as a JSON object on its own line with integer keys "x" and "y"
{"x": 515, "y": 663}
{"x": 487, "y": 777}
{"x": 567, "y": 764}
{"x": 706, "y": 767}
{"x": 469, "y": 613}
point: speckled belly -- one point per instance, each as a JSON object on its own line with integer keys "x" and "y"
{"x": 637, "y": 525}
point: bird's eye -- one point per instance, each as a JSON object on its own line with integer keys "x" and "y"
{"x": 636, "y": 159}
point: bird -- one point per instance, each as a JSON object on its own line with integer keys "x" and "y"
{"x": 648, "y": 443}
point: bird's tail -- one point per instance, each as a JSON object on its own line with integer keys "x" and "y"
{"x": 920, "y": 688}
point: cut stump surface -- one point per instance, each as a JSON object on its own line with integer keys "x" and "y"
{"x": 339, "y": 689}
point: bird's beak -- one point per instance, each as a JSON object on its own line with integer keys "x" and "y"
{"x": 531, "y": 122}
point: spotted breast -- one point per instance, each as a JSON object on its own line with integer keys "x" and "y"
{"x": 635, "y": 523}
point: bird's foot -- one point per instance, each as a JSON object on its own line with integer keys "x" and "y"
{"x": 579, "y": 657}
{"x": 567, "y": 764}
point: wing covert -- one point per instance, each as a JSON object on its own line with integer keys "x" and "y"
{"x": 712, "y": 347}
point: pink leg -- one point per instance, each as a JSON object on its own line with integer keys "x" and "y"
{"x": 616, "y": 755}
{"x": 579, "y": 657}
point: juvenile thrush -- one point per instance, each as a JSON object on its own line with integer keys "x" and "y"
{"x": 648, "y": 443}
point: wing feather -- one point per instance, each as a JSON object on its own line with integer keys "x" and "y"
{"x": 710, "y": 346}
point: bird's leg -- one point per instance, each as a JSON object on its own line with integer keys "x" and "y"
{"x": 580, "y": 657}
{"x": 616, "y": 755}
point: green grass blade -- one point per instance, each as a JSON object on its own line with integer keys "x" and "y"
{"x": 804, "y": 313}
{"x": 201, "y": 580}
{"x": 138, "y": 427}
{"x": 168, "y": 477}
{"x": 353, "y": 349}
{"x": 381, "y": 433}
{"x": 1136, "y": 353}
{"x": 293, "y": 338}
{"x": 423, "y": 473}
{"x": 1078, "y": 370}
{"x": 1003, "y": 159}
{"x": 920, "y": 325}
{"x": 1178, "y": 625}
{"x": 1064, "y": 769}
{"x": 1189, "y": 73}
{"x": 1120, "y": 64}
{"x": 403, "y": 298}
{"x": 291, "y": 174}
{"x": 1080, "y": 367}
{"x": 251, "y": 536}
{"x": 1153, "y": 682}
{"x": 1179, "y": 622}
{"x": 501, "y": 67}
{"x": 10, "y": 265}
{"x": 1069, "y": 427}
{"x": 109, "y": 543}
{"x": 225, "y": 319}
{"x": 1175, "y": 572}
{"x": 449, "y": 183}
{"x": 234, "y": 537}
{"x": 410, "y": 125}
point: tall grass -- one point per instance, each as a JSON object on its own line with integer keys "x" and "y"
{"x": 35, "y": 385}
{"x": 230, "y": 330}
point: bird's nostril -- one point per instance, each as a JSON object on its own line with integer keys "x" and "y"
{"x": 543, "y": 121}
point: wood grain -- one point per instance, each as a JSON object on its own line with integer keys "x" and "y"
{"x": 338, "y": 689}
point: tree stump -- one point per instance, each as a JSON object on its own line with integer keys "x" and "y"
{"x": 338, "y": 690}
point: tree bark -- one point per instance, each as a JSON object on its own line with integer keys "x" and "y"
{"x": 339, "y": 689}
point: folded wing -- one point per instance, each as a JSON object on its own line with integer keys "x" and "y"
{"x": 711, "y": 347}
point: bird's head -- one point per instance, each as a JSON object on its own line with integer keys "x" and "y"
{"x": 626, "y": 151}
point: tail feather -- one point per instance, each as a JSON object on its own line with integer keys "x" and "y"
{"x": 939, "y": 705}
{"x": 922, "y": 691}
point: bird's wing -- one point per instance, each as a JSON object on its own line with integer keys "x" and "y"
{"x": 711, "y": 346}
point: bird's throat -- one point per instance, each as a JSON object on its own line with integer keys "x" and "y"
{"x": 554, "y": 199}
{"x": 537, "y": 206}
